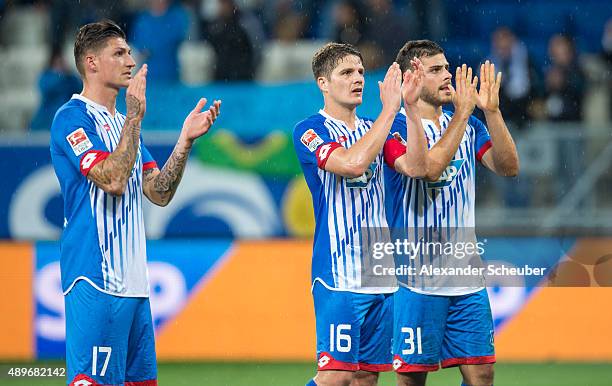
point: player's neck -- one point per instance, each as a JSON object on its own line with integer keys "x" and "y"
{"x": 429, "y": 111}
{"x": 342, "y": 113}
{"x": 104, "y": 96}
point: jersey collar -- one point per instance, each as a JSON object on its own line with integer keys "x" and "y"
{"x": 428, "y": 122}
{"x": 327, "y": 116}
{"x": 90, "y": 102}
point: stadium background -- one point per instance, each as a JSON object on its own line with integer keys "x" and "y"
{"x": 229, "y": 257}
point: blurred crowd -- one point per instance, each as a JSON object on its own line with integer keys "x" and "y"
{"x": 556, "y": 58}
{"x": 239, "y": 30}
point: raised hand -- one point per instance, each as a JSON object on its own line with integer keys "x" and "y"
{"x": 413, "y": 83}
{"x": 135, "y": 96}
{"x": 198, "y": 122}
{"x": 390, "y": 88}
{"x": 488, "y": 95}
{"x": 464, "y": 92}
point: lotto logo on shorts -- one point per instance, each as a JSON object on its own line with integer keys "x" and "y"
{"x": 311, "y": 140}
{"x": 79, "y": 142}
{"x": 324, "y": 361}
{"x": 82, "y": 380}
{"x": 397, "y": 364}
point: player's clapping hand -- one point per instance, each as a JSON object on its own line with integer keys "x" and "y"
{"x": 135, "y": 98}
{"x": 488, "y": 95}
{"x": 413, "y": 83}
{"x": 198, "y": 122}
{"x": 464, "y": 92}
{"x": 390, "y": 88}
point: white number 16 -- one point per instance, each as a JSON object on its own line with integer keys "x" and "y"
{"x": 343, "y": 341}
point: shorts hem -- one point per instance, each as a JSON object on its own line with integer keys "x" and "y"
{"x": 327, "y": 362}
{"x": 481, "y": 360}
{"x": 150, "y": 382}
{"x": 376, "y": 368}
{"x": 416, "y": 368}
{"x": 402, "y": 367}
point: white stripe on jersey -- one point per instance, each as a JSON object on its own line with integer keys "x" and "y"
{"x": 119, "y": 220}
{"x": 450, "y": 205}
{"x": 449, "y": 201}
{"x": 351, "y": 209}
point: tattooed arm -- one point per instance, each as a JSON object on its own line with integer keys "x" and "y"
{"x": 160, "y": 185}
{"x": 112, "y": 174}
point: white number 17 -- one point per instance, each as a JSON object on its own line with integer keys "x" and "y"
{"x": 94, "y": 362}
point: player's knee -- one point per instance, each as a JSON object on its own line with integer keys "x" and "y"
{"x": 365, "y": 378}
{"x": 411, "y": 379}
{"x": 481, "y": 375}
{"x": 334, "y": 378}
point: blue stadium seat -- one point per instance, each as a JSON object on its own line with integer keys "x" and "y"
{"x": 486, "y": 18}
{"x": 469, "y": 51}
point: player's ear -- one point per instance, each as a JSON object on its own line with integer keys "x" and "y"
{"x": 91, "y": 63}
{"x": 322, "y": 83}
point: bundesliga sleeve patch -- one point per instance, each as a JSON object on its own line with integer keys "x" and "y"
{"x": 311, "y": 140}
{"x": 79, "y": 142}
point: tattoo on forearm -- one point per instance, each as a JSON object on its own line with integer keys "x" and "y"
{"x": 118, "y": 166}
{"x": 168, "y": 179}
{"x": 133, "y": 107}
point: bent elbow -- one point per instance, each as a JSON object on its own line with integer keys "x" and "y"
{"x": 354, "y": 171}
{"x": 115, "y": 188}
{"x": 419, "y": 171}
{"x": 432, "y": 175}
{"x": 511, "y": 168}
{"x": 513, "y": 171}
{"x": 162, "y": 203}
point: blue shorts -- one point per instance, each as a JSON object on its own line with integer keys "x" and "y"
{"x": 449, "y": 330}
{"x": 354, "y": 330}
{"x": 109, "y": 339}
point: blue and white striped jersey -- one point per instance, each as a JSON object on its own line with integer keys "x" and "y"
{"x": 441, "y": 207}
{"x": 104, "y": 237}
{"x": 343, "y": 207}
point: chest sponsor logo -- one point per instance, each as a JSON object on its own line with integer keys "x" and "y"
{"x": 79, "y": 142}
{"x": 363, "y": 180}
{"x": 448, "y": 175}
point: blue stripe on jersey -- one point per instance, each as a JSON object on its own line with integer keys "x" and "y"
{"x": 347, "y": 239}
{"x": 447, "y": 205}
{"x": 121, "y": 238}
{"x": 328, "y": 184}
{"x": 342, "y": 211}
{"x": 339, "y": 246}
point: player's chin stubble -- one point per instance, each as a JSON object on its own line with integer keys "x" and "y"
{"x": 433, "y": 98}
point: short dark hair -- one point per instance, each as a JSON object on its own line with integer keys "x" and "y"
{"x": 327, "y": 58}
{"x": 416, "y": 48}
{"x": 92, "y": 37}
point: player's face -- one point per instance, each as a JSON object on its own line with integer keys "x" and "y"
{"x": 437, "y": 80}
{"x": 115, "y": 63}
{"x": 345, "y": 84}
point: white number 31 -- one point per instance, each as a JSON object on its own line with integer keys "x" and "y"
{"x": 410, "y": 341}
